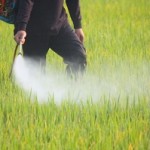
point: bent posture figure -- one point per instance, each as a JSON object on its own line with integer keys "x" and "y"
{"x": 43, "y": 24}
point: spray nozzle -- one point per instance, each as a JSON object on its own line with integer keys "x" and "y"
{"x": 20, "y": 50}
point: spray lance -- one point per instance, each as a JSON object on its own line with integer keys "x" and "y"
{"x": 14, "y": 56}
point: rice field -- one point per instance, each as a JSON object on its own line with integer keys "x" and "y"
{"x": 114, "y": 115}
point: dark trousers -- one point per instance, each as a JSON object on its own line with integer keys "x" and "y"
{"x": 65, "y": 43}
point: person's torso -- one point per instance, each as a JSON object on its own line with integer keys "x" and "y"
{"x": 47, "y": 16}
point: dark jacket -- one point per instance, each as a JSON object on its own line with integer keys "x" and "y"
{"x": 45, "y": 16}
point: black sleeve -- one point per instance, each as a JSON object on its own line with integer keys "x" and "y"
{"x": 74, "y": 10}
{"x": 23, "y": 14}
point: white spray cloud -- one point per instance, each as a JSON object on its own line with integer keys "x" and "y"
{"x": 113, "y": 83}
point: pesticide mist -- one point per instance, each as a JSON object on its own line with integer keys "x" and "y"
{"x": 111, "y": 83}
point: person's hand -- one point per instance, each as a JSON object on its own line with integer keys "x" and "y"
{"x": 80, "y": 34}
{"x": 20, "y": 37}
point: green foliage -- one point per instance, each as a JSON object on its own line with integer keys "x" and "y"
{"x": 116, "y": 36}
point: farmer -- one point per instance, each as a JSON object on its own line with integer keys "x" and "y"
{"x": 43, "y": 24}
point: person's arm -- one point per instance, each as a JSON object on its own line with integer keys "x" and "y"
{"x": 74, "y": 10}
{"x": 22, "y": 18}
{"x": 23, "y": 15}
